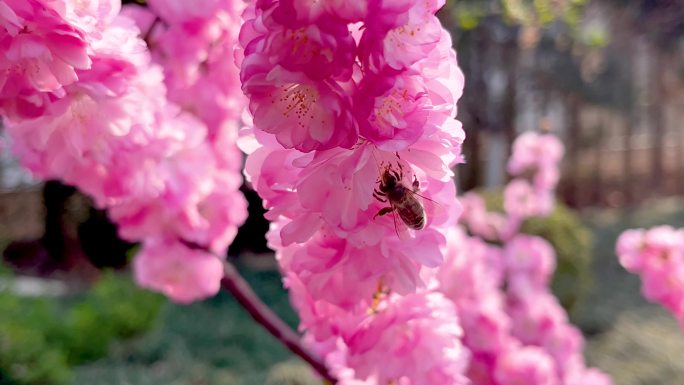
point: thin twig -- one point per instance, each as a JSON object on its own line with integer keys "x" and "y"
{"x": 263, "y": 315}
{"x": 243, "y": 293}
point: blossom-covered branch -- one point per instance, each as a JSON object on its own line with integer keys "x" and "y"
{"x": 84, "y": 102}
{"x": 352, "y": 147}
{"x": 499, "y": 280}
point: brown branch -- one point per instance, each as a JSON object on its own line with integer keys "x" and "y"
{"x": 243, "y": 293}
{"x": 262, "y": 314}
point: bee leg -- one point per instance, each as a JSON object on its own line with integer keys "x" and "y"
{"x": 383, "y": 211}
{"x": 376, "y": 195}
{"x": 416, "y": 184}
{"x": 396, "y": 175}
{"x": 401, "y": 168}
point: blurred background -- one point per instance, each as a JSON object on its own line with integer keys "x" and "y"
{"x": 607, "y": 76}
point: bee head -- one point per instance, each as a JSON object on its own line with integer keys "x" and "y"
{"x": 388, "y": 181}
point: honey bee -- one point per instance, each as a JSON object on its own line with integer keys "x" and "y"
{"x": 403, "y": 200}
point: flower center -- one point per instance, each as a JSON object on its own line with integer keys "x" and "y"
{"x": 296, "y": 102}
{"x": 389, "y": 112}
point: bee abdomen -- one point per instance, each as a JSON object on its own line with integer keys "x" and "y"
{"x": 418, "y": 223}
{"x": 413, "y": 214}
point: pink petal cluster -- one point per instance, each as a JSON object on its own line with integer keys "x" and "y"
{"x": 411, "y": 340}
{"x": 178, "y": 271}
{"x": 41, "y": 48}
{"x": 194, "y": 41}
{"x": 529, "y": 365}
{"x": 657, "y": 256}
{"x": 488, "y": 225}
{"x": 539, "y": 153}
{"x": 499, "y": 279}
{"x": 341, "y": 95}
{"x": 534, "y": 165}
{"x": 166, "y": 178}
{"x": 380, "y": 72}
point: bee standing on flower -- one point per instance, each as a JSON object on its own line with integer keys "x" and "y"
{"x": 401, "y": 199}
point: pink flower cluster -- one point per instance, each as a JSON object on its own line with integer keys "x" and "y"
{"x": 83, "y": 102}
{"x": 657, "y": 256}
{"x": 194, "y": 42}
{"x": 515, "y": 328}
{"x": 43, "y": 44}
{"x": 354, "y": 137}
{"x": 534, "y": 166}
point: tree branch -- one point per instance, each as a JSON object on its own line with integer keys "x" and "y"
{"x": 243, "y": 293}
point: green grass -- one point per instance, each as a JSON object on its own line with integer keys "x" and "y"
{"x": 214, "y": 342}
{"x": 41, "y": 338}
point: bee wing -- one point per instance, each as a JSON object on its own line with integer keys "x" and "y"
{"x": 403, "y": 231}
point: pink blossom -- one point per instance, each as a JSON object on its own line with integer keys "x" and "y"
{"x": 323, "y": 321}
{"x": 181, "y": 273}
{"x": 346, "y": 272}
{"x": 327, "y": 267}
{"x": 522, "y": 200}
{"x": 305, "y": 11}
{"x": 665, "y": 284}
{"x": 108, "y": 116}
{"x": 91, "y": 16}
{"x": 302, "y": 113}
{"x": 322, "y": 51}
{"x": 576, "y": 373}
{"x": 414, "y": 338}
{"x": 487, "y": 327}
{"x": 444, "y": 79}
{"x": 663, "y": 243}
{"x": 291, "y": 74}
{"x": 193, "y": 42}
{"x": 272, "y": 173}
{"x": 207, "y": 214}
{"x": 564, "y": 343}
{"x": 546, "y": 177}
{"x": 481, "y": 369}
{"x": 472, "y": 270}
{"x": 657, "y": 255}
{"x": 629, "y": 248}
{"x": 393, "y": 110}
{"x": 143, "y": 17}
{"x": 41, "y": 52}
{"x": 399, "y": 33}
{"x": 45, "y": 44}
{"x": 528, "y": 365}
{"x": 530, "y": 258}
{"x": 533, "y": 151}
{"x": 534, "y": 313}
{"x": 480, "y": 222}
